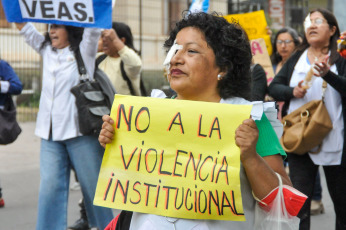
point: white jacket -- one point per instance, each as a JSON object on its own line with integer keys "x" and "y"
{"x": 60, "y": 73}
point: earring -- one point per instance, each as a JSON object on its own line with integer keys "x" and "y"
{"x": 219, "y": 76}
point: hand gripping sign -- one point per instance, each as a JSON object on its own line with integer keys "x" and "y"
{"x": 82, "y": 13}
{"x": 174, "y": 158}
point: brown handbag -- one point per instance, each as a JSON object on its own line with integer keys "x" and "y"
{"x": 306, "y": 127}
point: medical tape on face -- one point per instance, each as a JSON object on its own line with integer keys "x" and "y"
{"x": 307, "y": 23}
{"x": 172, "y": 51}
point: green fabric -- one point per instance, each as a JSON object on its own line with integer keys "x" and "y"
{"x": 268, "y": 143}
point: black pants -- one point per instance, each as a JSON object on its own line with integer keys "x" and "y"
{"x": 303, "y": 173}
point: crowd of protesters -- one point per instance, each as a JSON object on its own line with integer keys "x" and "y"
{"x": 209, "y": 59}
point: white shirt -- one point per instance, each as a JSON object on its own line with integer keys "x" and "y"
{"x": 60, "y": 73}
{"x": 332, "y": 144}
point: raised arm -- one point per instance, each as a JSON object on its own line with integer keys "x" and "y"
{"x": 260, "y": 171}
{"x": 132, "y": 61}
{"x": 88, "y": 48}
{"x": 338, "y": 82}
{"x": 20, "y": 25}
{"x": 31, "y": 36}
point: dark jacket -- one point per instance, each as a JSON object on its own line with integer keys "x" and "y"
{"x": 7, "y": 74}
{"x": 258, "y": 83}
{"x": 280, "y": 90}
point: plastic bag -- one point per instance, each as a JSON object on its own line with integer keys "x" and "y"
{"x": 277, "y": 218}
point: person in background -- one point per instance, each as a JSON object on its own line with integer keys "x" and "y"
{"x": 62, "y": 144}
{"x": 213, "y": 65}
{"x": 285, "y": 43}
{"x": 120, "y": 60}
{"x": 319, "y": 53}
{"x": 10, "y": 84}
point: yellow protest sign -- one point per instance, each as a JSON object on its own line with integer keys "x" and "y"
{"x": 254, "y": 23}
{"x": 261, "y": 56}
{"x": 173, "y": 158}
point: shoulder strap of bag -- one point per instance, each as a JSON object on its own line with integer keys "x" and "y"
{"x": 142, "y": 87}
{"x": 81, "y": 67}
{"x": 99, "y": 59}
{"x": 252, "y": 67}
{"x": 9, "y": 104}
{"x": 324, "y": 87}
{"x": 126, "y": 78}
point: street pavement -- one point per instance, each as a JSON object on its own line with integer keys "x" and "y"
{"x": 19, "y": 179}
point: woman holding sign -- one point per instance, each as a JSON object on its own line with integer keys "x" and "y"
{"x": 301, "y": 80}
{"x": 209, "y": 60}
{"x": 62, "y": 144}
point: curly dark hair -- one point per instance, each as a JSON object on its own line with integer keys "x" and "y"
{"x": 276, "y": 58}
{"x": 231, "y": 47}
{"x": 331, "y": 20}
{"x": 75, "y": 35}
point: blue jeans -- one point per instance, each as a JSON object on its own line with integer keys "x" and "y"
{"x": 317, "y": 195}
{"x": 56, "y": 159}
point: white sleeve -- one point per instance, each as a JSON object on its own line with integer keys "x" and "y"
{"x": 32, "y": 37}
{"x": 88, "y": 48}
{"x": 5, "y": 86}
{"x": 132, "y": 62}
{"x": 272, "y": 114}
{"x": 157, "y": 93}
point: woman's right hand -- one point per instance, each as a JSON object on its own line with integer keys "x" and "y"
{"x": 20, "y": 25}
{"x": 107, "y": 132}
{"x": 299, "y": 91}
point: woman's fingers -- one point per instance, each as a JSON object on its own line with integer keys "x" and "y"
{"x": 321, "y": 69}
{"x": 107, "y": 132}
{"x": 107, "y": 118}
{"x": 298, "y": 91}
{"x": 246, "y": 134}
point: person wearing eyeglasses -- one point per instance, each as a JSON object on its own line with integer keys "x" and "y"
{"x": 285, "y": 43}
{"x": 318, "y": 53}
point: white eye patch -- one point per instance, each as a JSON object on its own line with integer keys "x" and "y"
{"x": 307, "y": 23}
{"x": 172, "y": 51}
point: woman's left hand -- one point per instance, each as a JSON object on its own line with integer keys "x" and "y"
{"x": 322, "y": 68}
{"x": 246, "y": 136}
